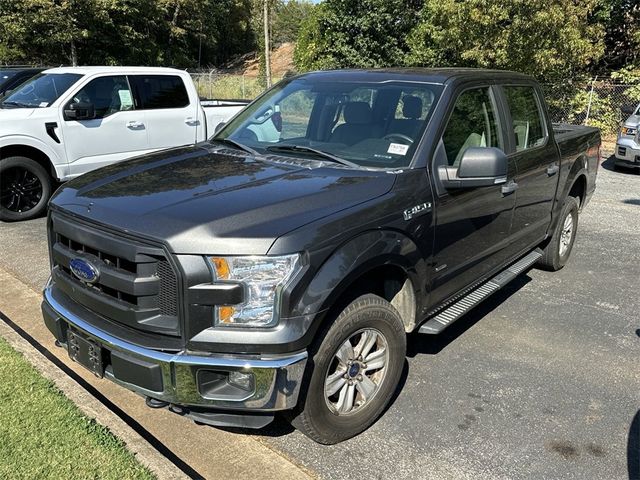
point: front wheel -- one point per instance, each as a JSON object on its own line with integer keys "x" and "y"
{"x": 357, "y": 366}
{"x": 25, "y": 188}
{"x": 557, "y": 251}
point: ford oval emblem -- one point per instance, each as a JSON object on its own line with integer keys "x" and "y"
{"x": 84, "y": 270}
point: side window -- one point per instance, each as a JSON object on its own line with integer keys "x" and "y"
{"x": 107, "y": 94}
{"x": 160, "y": 91}
{"x": 473, "y": 123}
{"x": 528, "y": 121}
{"x": 295, "y": 111}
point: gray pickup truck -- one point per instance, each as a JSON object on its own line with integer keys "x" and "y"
{"x": 280, "y": 266}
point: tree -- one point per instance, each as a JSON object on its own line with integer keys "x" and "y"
{"x": 553, "y": 39}
{"x": 287, "y": 19}
{"x": 42, "y": 31}
{"x": 182, "y": 33}
{"x": 356, "y": 33}
{"x": 622, "y": 33}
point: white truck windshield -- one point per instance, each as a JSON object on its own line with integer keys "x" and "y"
{"x": 41, "y": 91}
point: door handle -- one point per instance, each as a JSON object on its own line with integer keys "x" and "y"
{"x": 191, "y": 121}
{"x": 553, "y": 169}
{"x": 509, "y": 188}
{"x": 135, "y": 125}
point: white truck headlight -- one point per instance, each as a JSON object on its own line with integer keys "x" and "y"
{"x": 263, "y": 278}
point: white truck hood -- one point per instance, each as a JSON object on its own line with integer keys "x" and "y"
{"x": 9, "y": 114}
{"x": 633, "y": 121}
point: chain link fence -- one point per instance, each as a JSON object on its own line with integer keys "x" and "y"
{"x": 230, "y": 86}
{"x": 595, "y": 102}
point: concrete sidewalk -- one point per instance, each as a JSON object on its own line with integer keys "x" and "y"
{"x": 209, "y": 452}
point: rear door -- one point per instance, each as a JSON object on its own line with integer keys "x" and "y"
{"x": 116, "y": 132}
{"x": 172, "y": 117}
{"x": 537, "y": 160}
{"x": 473, "y": 224}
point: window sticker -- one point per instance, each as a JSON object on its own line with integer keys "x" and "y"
{"x": 126, "y": 101}
{"x": 398, "y": 149}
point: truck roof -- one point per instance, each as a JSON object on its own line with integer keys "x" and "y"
{"x": 429, "y": 75}
{"x": 110, "y": 69}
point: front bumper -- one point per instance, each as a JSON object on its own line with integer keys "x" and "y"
{"x": 627, "y": 153}
{"x": 184, "y": 379}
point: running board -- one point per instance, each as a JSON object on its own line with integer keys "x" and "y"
{"x": 461, "y": 306}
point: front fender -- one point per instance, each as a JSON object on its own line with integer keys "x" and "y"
{"x": 57, "y": 163}
{"x": 352, "y": 260}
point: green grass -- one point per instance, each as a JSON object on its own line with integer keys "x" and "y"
{"x": 230, "y": 86}
{"x": 44, "y": 435}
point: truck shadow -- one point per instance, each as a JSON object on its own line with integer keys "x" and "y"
{"x": 609, "y": 164}
{"x": 633, "y": 448}
{"x": 416, "y": 344}
{"x": 433, "y": 344}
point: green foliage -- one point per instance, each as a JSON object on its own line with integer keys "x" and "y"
{"x": 602, "y": 112}
{"x": 622, "y": 38}
{"x": 287, "y": 20}
{"x": 148, "y": 32}
{"x": 552, "y": 39}
{"x": 629, "y": 76}
{"x": 355, "y": 33}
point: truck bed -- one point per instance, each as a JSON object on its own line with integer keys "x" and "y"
{"x": 565, "y": 131}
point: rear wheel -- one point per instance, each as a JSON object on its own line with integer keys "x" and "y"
{"x": 356, "y": 367}
{"x": 25, "y": 188}
{"x": 557, "y": 251}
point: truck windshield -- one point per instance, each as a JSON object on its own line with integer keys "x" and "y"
{"x": 363, "y": 124}
{"x": 41, "y": 91}
{"x": 7, "y": 75}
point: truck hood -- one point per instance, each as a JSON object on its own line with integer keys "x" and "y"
{"x": 633, "y": 121}
{"x": 207, "y": 200}
{"x": 11, "y": 114}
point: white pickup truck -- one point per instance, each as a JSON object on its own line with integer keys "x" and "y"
{"x": 67, "y": 121}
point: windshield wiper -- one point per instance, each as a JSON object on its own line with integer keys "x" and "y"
{"x": 15, "y": 104}
{"x": 315, "y": 151}
{"x": 238, "y": 145}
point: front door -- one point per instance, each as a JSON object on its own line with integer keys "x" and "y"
{"x": 117, "y": 131}
{"x": 472, "y": 225}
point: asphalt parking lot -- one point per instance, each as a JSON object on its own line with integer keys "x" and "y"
{"x": 540, "y": 381}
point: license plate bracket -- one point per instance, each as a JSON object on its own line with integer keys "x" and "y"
{"x": 86, "y": 352}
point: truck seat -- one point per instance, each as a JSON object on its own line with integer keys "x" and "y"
{"x": 357, "y": 124}
{"x": 411, "y": 123}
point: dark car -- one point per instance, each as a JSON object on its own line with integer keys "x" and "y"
{"x": 279, "y": 266}
{"x": 11, "y": 77}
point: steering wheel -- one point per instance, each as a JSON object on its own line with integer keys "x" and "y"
{"x": 400, "y": 136}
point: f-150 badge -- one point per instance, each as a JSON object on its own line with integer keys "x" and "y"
{"x": 421, "y": 209}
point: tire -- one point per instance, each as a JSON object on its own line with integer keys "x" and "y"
{"x": 556, "y": 253}
{"x": 325, "y": 418}
{"x": 25, "y": 188}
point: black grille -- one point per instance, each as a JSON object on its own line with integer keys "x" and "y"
{"x": 168, "y": 296}
{"x": 136, "y": 286}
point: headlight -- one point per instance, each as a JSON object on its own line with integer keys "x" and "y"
{"x": 263, "y": 278}
{"x": 628, "y": 131}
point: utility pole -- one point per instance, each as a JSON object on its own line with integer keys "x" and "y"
{"x": 267, "y": 52}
